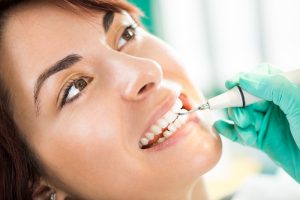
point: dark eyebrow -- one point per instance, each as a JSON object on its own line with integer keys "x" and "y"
{"x": 108, "y": 20}
{"x": 60, "y": 65}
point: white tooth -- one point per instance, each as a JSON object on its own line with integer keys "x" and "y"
{"x": 144, "y": 141}
{"x": 170, "y": 116}
{"x": 177, "y": 106}
{"x": 162, "y": 123}
{"x": 183, "y": 110}
{"x": 177, "y": 123}
{"x": 167, "y": 134}
{"x": 156, "y": 129}
{"x": 172, "y": 128}
{"x": 160, "y": 140}
{"x": 183, "y": 118}
{"x": 150, "y": 136}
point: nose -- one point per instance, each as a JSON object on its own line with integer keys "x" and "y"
{"x": 140, "y": 77}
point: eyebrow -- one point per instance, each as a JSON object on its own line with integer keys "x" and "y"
{"x": 60, "y": 65}
{"x": 66, "y": 62}
{"x": 108, "y": 20}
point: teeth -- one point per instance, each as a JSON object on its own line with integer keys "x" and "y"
{"x": 177, "y": 123}
{"x": 170, "y": 120}
{"x": 150, "y": 136}
{"x": 160, "y": 140}
{"x": 183, "y": 118}
{"x": 167, "y": 134}
{"x": 156, "y": 129}
{"x": 172, "y": 128}
{"x": 177, "y": 106}
{"x": 144, "y": 141}
{"x": 162, "y": 123}
{"x": 170, "y": 116}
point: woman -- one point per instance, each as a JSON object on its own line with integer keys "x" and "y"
{"x": 88, "y": 103}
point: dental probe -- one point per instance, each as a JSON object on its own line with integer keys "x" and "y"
{"x": 237, "y": 97}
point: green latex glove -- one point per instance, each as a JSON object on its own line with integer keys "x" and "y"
{"x": 273, "y": 125}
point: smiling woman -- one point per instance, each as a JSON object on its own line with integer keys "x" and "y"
{"x": 88, "y": 107}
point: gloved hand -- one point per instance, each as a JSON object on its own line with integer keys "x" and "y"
{"x": 273, "y": 125}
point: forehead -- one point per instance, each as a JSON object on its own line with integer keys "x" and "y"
{"x": 46, "y": 30}
{"x": 39, "y": 34}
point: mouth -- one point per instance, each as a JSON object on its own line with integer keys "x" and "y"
{"x": 167, "y": 125}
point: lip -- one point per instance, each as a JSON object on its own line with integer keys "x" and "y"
{"x": 177, "y": 136}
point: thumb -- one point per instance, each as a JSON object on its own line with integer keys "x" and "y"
{"x": 275, "y": 88}
{"x": 226, "y": 129}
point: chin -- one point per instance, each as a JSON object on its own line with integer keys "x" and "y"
{"x": 202, "y": 153}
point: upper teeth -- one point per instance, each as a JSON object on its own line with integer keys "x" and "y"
{"x": 171, "y": 120}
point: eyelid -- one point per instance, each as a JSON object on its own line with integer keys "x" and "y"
{"x": 66, "y": 86}
{"x": 132, "y": 25}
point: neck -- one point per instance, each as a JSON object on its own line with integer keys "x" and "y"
{"x": 199, "y": 191}
{"x": 196, "y": 192}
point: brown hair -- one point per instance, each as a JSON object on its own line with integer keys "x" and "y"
{"x": 19, "y": 168}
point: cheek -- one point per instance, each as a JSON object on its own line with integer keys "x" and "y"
{"x": 75, "y": 156}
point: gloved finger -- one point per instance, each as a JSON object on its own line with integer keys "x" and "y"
{"x": 234, "y": 81}
{"x": 239, "y": 116}
{"x": 274, "y": 88}
{"x": 245, "y": 117}
{"x": 264, "y": 68}
{"x": 261, "y": 106}
{"x": 267, "y": 68}
{"x": 226, "y": 129}
{"x": 245, "y": 136}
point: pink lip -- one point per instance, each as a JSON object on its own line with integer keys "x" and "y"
{"x": 178, "y": 135}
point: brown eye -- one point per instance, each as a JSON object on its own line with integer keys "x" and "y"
{"x": 128, "y": 34}
{"x": 73, "y": 90}
{"x": 80, "y": 84}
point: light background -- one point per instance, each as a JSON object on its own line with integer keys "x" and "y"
{"x": 219, "y": 38}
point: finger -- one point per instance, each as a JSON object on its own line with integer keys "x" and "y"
{"x": 226, "y": 129}
{"x": 234, "y": 81}
{"x": 242, "y": 117}
{"x": 245, "y": 117}
{"x": 245, "y": 136}
{"x": 275, "y": 88}
{"x": 261, "y": 106}
{"x": 267, "y": 68}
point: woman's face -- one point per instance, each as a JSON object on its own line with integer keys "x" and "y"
{"x": 84, "y": 117}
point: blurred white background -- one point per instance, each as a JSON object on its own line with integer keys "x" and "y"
{"x": 218, "y": 38}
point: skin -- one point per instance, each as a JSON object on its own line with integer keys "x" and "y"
{"x": 89, "y": 148}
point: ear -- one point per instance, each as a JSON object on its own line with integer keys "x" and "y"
{"x": 42, "y": 190}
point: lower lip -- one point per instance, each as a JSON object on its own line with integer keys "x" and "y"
{"x": 178, "y": 135}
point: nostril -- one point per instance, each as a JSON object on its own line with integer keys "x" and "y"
{"x": 145, "y": 88}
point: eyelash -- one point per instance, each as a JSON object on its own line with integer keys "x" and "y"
{"x": 132, "y": 28}
{"x": 69, "y": 85}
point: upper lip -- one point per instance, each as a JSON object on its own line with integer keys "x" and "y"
{"x": 161, "y": 109}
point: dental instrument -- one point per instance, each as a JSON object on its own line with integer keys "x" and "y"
{"x": 237, "y": 97}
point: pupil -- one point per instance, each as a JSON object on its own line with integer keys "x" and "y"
{"x": 128, "y": 34}
{"x": 80, "y": 84}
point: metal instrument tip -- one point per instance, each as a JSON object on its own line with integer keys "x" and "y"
{"x": 202, "y": 107}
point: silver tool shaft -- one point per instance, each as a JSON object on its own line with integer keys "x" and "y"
{"x": 202, "y": 107}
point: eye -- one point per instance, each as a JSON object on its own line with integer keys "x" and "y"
{"x": 128, "y": 34}
{"x": 73, "y": 90}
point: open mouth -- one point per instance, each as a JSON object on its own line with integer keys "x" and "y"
{"x": 167, "y": 125}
